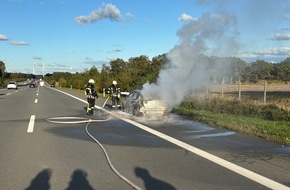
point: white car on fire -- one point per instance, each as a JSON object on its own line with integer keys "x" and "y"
{"x": 136, "y": 105}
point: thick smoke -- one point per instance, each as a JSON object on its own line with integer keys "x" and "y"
{"x": 187, "y": 69}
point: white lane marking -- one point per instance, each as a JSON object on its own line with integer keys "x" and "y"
{"x": 72, "y": 96}
{"x": 224, "y": 163}
{"x": 37, "y": 94}
{"x": 31, "y": 124}
{"x": 36, "y": 100}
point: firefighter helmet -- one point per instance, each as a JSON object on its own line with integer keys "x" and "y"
{"x": 91, "y": 81}
{"x": 114, "y": 82}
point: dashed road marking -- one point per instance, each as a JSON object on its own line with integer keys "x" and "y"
{"x": 31, "y": 124}
{"x": 36, "y": 100}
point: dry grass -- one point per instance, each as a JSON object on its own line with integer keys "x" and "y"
{"x": 276, "y": 93}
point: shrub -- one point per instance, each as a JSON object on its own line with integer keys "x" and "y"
{"x": 273, "y": 112}
{"x": 237, "y": 107}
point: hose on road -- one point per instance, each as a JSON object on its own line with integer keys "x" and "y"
{"x": 75, "y": 120}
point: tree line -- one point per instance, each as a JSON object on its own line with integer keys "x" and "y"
{"x": 6, "y": 77}
{"x": 132, "y": 74}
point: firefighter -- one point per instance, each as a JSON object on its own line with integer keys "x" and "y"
{"x": 115, "y": 95}
{"x": 91, "y": 94}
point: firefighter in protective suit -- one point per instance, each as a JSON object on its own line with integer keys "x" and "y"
{"x": 91, "y": 94}
{"x": 115, "y": 93}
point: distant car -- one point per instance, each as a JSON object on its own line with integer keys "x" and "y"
{"x": 12, "y": 85}
{"x": 41, "y": 83}
{"x": 33, "y": 85}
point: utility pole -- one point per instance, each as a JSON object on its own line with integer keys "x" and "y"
{"x": 33, "y": 66}
{"x": 42, "y": 69}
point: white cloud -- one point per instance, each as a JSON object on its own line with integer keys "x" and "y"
{"x": 281, "y": 37}
{"x": 186, "y": 18}
{"x": 20, "y": 43}
{"x": 60, "y": 67}
{"x": 3, "y": 37}
{"x": 110, "y": 58}
{"x": 129, "y": 16}
{"x": 108, "y": 11}
{"x": 281, "y": 51}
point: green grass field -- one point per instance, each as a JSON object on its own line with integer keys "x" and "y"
{"x": 278, "y": 131}
{"x": 253, "y": 96}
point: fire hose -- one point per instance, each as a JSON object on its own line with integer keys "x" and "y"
{"x": 89, "y": 121}
{"x": 105, "y": 103}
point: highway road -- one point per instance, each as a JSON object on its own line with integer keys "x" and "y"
{"x": 48, "y": 142}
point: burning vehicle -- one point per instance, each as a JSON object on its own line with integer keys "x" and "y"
{"x": 136, "y": 105}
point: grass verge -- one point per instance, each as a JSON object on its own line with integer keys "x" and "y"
{"x": 278, "y": 131}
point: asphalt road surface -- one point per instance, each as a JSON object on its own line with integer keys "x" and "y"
{"x": 48, "y": 142}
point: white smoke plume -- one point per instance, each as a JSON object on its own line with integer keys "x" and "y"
{"x": 186, "y": 72}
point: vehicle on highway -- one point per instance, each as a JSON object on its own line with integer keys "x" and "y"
{"x": 12, "y": 85}
{"x": 136, "y": 105}
{"x": 33, "y": 85}
{"x": 41, "y": 83}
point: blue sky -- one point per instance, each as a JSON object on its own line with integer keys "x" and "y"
{"x": 73, "y": 35}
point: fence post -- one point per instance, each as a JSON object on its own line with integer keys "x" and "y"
{"x": 223, "y": 87}
{"x": 239, "y": 89}
{"x": 265, "y": 93}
